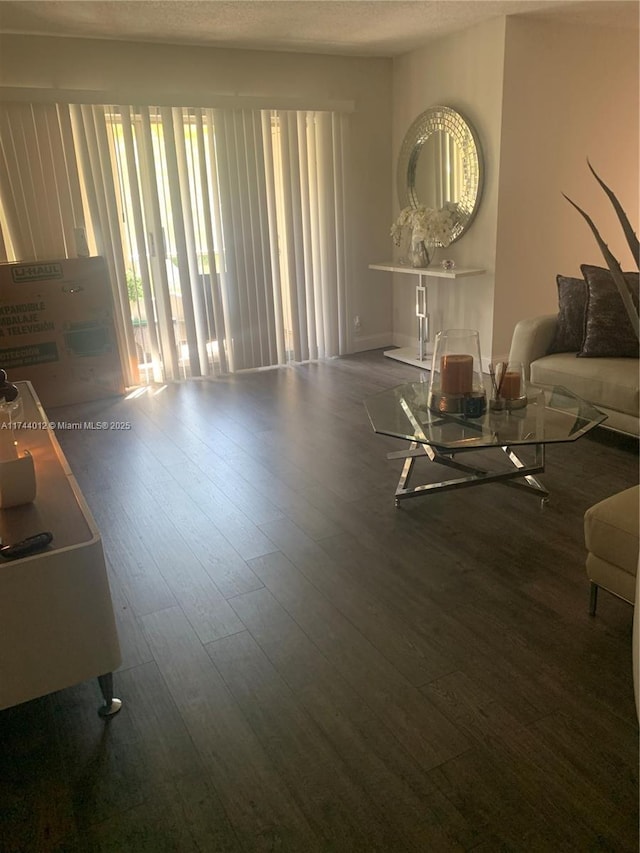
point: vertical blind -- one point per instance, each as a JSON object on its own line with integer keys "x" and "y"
{"x": 40, "y": 196}
{"x": 223, "y": 230}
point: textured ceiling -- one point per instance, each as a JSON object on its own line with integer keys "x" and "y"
{"x": 359, "y": 27}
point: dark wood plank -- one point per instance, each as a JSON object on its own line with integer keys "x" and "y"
{"x": 110, "y": 767}
{"x": 224, "y": 565}
{"x": 588, "y": 810}
{"x": 419, "y": 726}
{"x": 235, "y": 526}
{"x": 409, "y": 591}
{"x": 183, "y": 816}
{"x": 264, "y": 477}
{"x": 436, "y": 662}
{"x": 36, "y": 802}
{"x": 474, "y": 710}
{"x": 338, "y": 810}
{"x": 258, "y": 803}
{"x": 135, "y": 565}
{"x": 258, "y": 507}
{"x": 501, "y": 804}
{"x": 594, "y": 744}
{"x": 368, "y": 745}
{"x": 349, "y": 595}
{"x": 200, "y": 599}
{"x": 133, "y": 643}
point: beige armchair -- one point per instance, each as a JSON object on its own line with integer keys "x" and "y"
{"x": 611, "y": 536}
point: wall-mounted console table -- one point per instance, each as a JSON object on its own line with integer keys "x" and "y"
{"x": 418, "y": 356}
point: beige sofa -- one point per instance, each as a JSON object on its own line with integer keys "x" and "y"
{"x": 611, "y": 384}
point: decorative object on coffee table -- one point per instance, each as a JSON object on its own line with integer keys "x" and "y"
{"x": 456, "y": 385}
{"x": 507, "y": 386}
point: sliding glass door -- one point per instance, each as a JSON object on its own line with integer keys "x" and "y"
{"x": 224, "y": 231}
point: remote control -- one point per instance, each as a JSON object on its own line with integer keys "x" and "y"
{"x": 26, "y": 546}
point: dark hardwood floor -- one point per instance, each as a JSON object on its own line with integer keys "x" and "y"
{"x": 308, "y": 668}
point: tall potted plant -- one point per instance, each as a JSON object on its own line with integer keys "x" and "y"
{"x": 612, "y": 261}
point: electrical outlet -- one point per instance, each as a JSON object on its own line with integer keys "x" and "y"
{"x": 357, "y": 325}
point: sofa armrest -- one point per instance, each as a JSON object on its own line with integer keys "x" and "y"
{"x": 532, "y": 339}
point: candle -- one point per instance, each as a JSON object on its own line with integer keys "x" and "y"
{"x": 456, "y": 374}
{"x": 510, "y": 388}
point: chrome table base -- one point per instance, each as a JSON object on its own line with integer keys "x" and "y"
{"x": 520, "y": 476}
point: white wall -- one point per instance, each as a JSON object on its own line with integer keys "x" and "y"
{"x": 570, "y": 92}
{"x": 543, "y": 96}
{"x": 125, "y": 70}
{"x": 463, "y": 71}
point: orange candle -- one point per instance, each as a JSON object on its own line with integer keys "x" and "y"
{"x": 456, "y": 374}
{"x": 510, "y": 388}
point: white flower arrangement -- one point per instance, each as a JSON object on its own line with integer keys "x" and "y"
{"x": 432, "y": 226}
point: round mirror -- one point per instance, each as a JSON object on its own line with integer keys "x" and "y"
{"x": 440, "y": 161}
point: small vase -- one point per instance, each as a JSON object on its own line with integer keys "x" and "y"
{"x": 419, "y": 254}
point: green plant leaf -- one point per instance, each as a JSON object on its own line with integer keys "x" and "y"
{"x": 629, "y": 233}
{"x": 134, "y": 286}
{"x": 615, "y": 269}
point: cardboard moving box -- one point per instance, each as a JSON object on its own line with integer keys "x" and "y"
{"x": 57, "y": 330}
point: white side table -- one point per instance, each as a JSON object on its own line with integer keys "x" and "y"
{"x": 57, "y": 625}
{"x": 407, "y": 354}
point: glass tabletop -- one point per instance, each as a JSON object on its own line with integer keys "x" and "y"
{"x": 552, "y": 414}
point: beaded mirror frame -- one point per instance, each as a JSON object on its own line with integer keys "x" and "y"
{"x": 441, "y": 119}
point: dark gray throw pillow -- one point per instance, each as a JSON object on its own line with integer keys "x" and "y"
{"x": 608, "y": 332}
{"x": 572, "y": 304}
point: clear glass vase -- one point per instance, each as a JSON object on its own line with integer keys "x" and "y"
{"x": 509, "y": 387}
{"x": 456, "y": 385}
{"x": 419, "y": 254}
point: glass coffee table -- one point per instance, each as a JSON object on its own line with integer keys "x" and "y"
{"x": 553, "y": 414}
